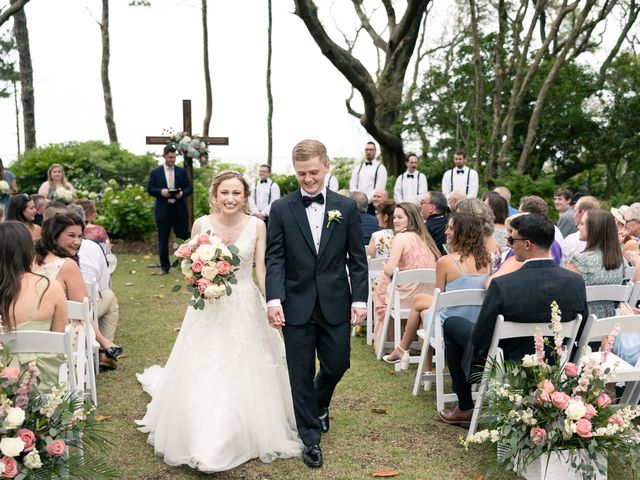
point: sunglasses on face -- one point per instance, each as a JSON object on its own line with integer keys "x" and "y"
{"x": 511, "y": 240}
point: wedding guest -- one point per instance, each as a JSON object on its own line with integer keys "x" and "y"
{"x": 381, "y": 241}
{"x": 509, "y": 263}
{"x": 411, "y": 183}
{"x": 500, "y": 209}
{"x": 412, "y": 248}
{"x": 12, "y": 188}
{"x": 330, "y": 180}
{"x": 41, "y": 203}
{"x": 369, "y": 222}
{"x": 433, "y": 208}
{"x": 572, "y": 243}
{"x": 632, "y": 227}
{"x": 467, "y": 266}
{"x": 535, "y": 204}
{"x": 57, "y": 259}
{"x": 369, "y": 176}
{"x": 94, "y": 232}
{"x": 379, "y": 196}
{"x": 505, "y": 193}
{"x": 601, "y": 261}
{"x": 454, "y": 198}
{"x": 482, "y": 210}
{"x": 523, "y": 296}
{"x": 265, "y": 191}
{"x": 22, "y": 209}
{"x": 55, "y": 179}
{"x": 461, "y": 177}
{"x": 562, "y": 202}
{"x": 29, "y": 301}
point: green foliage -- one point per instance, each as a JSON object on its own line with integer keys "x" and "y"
{"x": 202, "y": 181}
{"x": 126, "y": 212}
{"x": 341, "y": 168}
{"x": 287, "y": 183}
{"x": 521, "y": 185}
{"x": 88, "y": 165}
{"x": 8, "y": 65}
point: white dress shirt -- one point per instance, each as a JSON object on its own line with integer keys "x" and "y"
{"x": 466, "y": 181}
{"x": 93, "y": 264}
{"x": 407, "y": 187}
{"x": 170, "y": 175}
{"x": 572, "y": 245}
{"x": 366, "y": 178}
{"x": 331, "y": 182}
{"x": 263, "y": 194}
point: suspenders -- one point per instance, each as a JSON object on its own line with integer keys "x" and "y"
{"x": 375, "y": 176}
{"x": 468, "y": 174}
{"x": 329, "y": 180}
{"x": 255, "y": 192}
{"x": 417, "y": 183}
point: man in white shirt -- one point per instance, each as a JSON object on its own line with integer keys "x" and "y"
{"x": 572, "y": 243}
{"x": 369, "y": 175}
{"x": 411, "y": 183}
{"x": 461, "y": 177}
{"x": 265, "y": 191}
{"x": 331, "y": 181}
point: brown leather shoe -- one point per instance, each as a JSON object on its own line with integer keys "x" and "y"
{"x": 107, "y": 363}
{"x": 456, "y": 416}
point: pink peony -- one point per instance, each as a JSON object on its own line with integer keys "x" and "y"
{"x": 223, "y": 267}
{"x": 202, "y": 284}
{"x": 197, "y": 266}
{"x": 547, "y": 386}
{"x": 570, "y": 369}
{"x": 183, "y": 251}
{"x": 538, "y": 435}
{"x": 12, "y": 373}
{"x": 560, "y": 400}
{"x": 616, "y": 419}
{"x": 28, "y": 438}
{"x": 10, "y": 467}
{"x": 603, "y": 400}
{"x": 56, "y": 448}
{"x": 583, "y": 428}
{"x": 203, "y": 239}
{"x": 591, "y": 411}
{"x": 543, "y": 397}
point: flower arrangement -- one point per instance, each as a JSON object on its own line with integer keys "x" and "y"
{"x": 333, "y": 216}
{"x": 209, "y": 266}
{"x": 63, "y": 195}
{"x": 5, "y": 188}
{"x": 40, "y": 432}
{"x": 191, "y": 146}
{"x": 541, "y": 408}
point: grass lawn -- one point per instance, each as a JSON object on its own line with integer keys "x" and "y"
{"x": 406, "y": 437}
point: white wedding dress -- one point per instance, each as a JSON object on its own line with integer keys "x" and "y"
{"x": 223, "y": 397}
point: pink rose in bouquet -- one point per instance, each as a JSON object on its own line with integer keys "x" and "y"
{"x": 570, "y": 369}
{"x": 10, "y": 467}
{"x": 28, "y": 438}
{"x": 202, "y": 284}
{"x": 224, "y": 267}
{"x": 538, "y": 435}
{"x": 603, "y": 400}
{"x": 616, "y": 419}
{"x": 583, "y": 428}
{"x": 11, "y": 373}
{"x": 203, "y": 239}
{"x": 547, "y": 386}
{"x": 197, "y": 266}
{"x": 183, "y": 251}
{"x": 56, "y": 448}
{"x": 560, "y": 400}
{"x": 591, "y": 411}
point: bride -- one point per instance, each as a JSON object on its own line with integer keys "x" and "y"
{"x": 223, "y": 397}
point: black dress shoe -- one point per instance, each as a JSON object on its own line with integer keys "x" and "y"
{"x": 324, "y": 420}
{"x": 112, "y": 352}
{"x": 312, "y": 456}
{"x": 163, "y": 272}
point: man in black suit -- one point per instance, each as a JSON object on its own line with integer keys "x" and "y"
{"x": 433, "y": 208}
{"x": 522, "y": 296}
{"x": 170, "y": 185}
{"x": 314, "y": 235}
{"x": 369, "y": 222}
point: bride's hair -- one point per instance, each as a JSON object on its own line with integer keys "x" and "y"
{"x": 221, "y": 177}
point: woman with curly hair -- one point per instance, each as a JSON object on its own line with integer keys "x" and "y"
{"x": 467, "y": 266}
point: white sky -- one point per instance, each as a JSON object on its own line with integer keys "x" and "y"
{"x": 156, "y": 62}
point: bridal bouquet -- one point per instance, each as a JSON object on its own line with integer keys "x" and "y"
{"x": 5, "y": 188}
{"x": 63, "y": 195}
{"x": 543, "y": 407}
{"x": 209, "y": 266}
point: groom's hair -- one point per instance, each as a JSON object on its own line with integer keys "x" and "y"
{"x": 308, "y": 149}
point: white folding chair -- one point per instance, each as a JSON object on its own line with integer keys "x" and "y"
{"x": 93, "y": 346}
{"x": 376, "y": 265}
{"x": 635, "y": 295}
{"x": 504, "y": 330}
{"x": 596, "y": 328}
{"x": 395, "y": 310}
{"x": 112, "y": 262}
{"x": 613, "y": 293}
{"x": 83, "y": 355}
{"x": 32, "y": 341}
{"x": 432, "y": 335}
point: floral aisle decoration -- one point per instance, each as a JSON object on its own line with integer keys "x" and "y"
{"x": 209, "y": 266}
{"x": 63, "y": 195}
{"x": 5, "y": 189}
{"x": 191, "y": 146}
{"x": 40, "y": 431}
{"x": 556, "y": 408}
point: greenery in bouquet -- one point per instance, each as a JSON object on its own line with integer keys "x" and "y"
{"x": 63, "y": 195}
{"x": 209, "y": 266}
{"x": 41, "y": 432}
{"x": 5, "y": 188}
{"x": 544, "y": 404}
{"x": 191, "y": 146}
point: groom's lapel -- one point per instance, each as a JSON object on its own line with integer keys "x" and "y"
{"x": 299, "y": 213}
{"x": 331, "y": 204}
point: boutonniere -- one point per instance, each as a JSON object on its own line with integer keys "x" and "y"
{"x": 333, "y": 216}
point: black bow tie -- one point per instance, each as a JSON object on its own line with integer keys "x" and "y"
{"x": 369, "y": 163}
{"x": 409, "y": 175}
{"x": 459, "y": 171}
{"x": 263, "y": 181}
{"x": 319, "y": 198}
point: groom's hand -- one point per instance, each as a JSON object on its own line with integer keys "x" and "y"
{"x": 275, "y": 316}
{"x": 358, "y": 315}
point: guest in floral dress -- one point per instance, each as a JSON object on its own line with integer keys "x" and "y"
{"x": 380, "y": 244}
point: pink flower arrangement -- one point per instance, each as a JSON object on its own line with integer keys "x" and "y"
{"x": 208, "y": 265}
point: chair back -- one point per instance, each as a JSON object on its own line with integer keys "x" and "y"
{"x": 596, "y": 328}
{"x": 376, "y": 264}
{"x": 112, "y": 262}
{"x": 635, "y": 295}
{"x": 613, "y": 293}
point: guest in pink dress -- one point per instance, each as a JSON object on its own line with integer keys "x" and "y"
{"x": 412, "y": 248}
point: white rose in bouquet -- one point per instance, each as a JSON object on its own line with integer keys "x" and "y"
{"x": 32, "y": 460}
{"x": 14, "y": 418}
{"x": 575, "y": 410}
{"x": 5, "y": 188}
{"x": 206, "y": 252}
{"x": 214, "y": 291}
{"x": 529, "y": 361}
{"x": 11, "y": 447}
{"x": 224, "y": 251}
{"x": 209, "y": 272}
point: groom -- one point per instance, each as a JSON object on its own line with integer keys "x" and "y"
{"x": 314, "y": 235}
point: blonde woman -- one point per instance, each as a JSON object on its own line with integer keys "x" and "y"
{"x": 55, "y": 179}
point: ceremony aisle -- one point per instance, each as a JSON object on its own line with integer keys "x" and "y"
{"x": 377, "y": 425}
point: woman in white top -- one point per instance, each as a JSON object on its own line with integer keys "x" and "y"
{"x": 55, "y": 179}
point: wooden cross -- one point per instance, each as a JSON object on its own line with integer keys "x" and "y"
{"x": 188, "y": 162}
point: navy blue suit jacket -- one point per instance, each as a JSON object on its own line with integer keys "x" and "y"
{"x": 369, "y": 225}
{"x": 158, "y": 181}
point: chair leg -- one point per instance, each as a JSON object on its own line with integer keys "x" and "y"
{"x": 383, "y": 333}
{"x": 423, "y": 356}
{"x": 370, "y": 320}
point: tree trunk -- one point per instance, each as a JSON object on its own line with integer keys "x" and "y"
{"x": 104, "y": 74}
{"x": 16, "y": 6}
{"x": 479, "y": 83}
{"x": 269, "y": 94}
{"x": 17, "y": 107}
{"x": 21, "y": 33}
{"x": 207, "y": 74}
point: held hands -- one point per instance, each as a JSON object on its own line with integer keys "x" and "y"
{"x": 358, "y": 315}
{"x": 275, "y": 316}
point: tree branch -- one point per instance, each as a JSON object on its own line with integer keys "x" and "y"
{"x": 391, "y": 14}
{"x": 15, "y": 6}
{"x": 378, "y": 41}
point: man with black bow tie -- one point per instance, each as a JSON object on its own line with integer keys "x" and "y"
{"x": 369, "y": 175}
{"x": 265, "y": 192}
{"x": 410, "y": 184}
{"x": 460, "y": 178}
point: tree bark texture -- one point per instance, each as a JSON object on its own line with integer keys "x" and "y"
{"x": 479, "y": 82}
{"x": 207, "y": 74}
{"x": 21, "y": 33}
{"x": 14, "y": 7}
{"x": 269, "y": 93}
{"x": 104, "y": 74}
{"x": 17, "y": 109}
